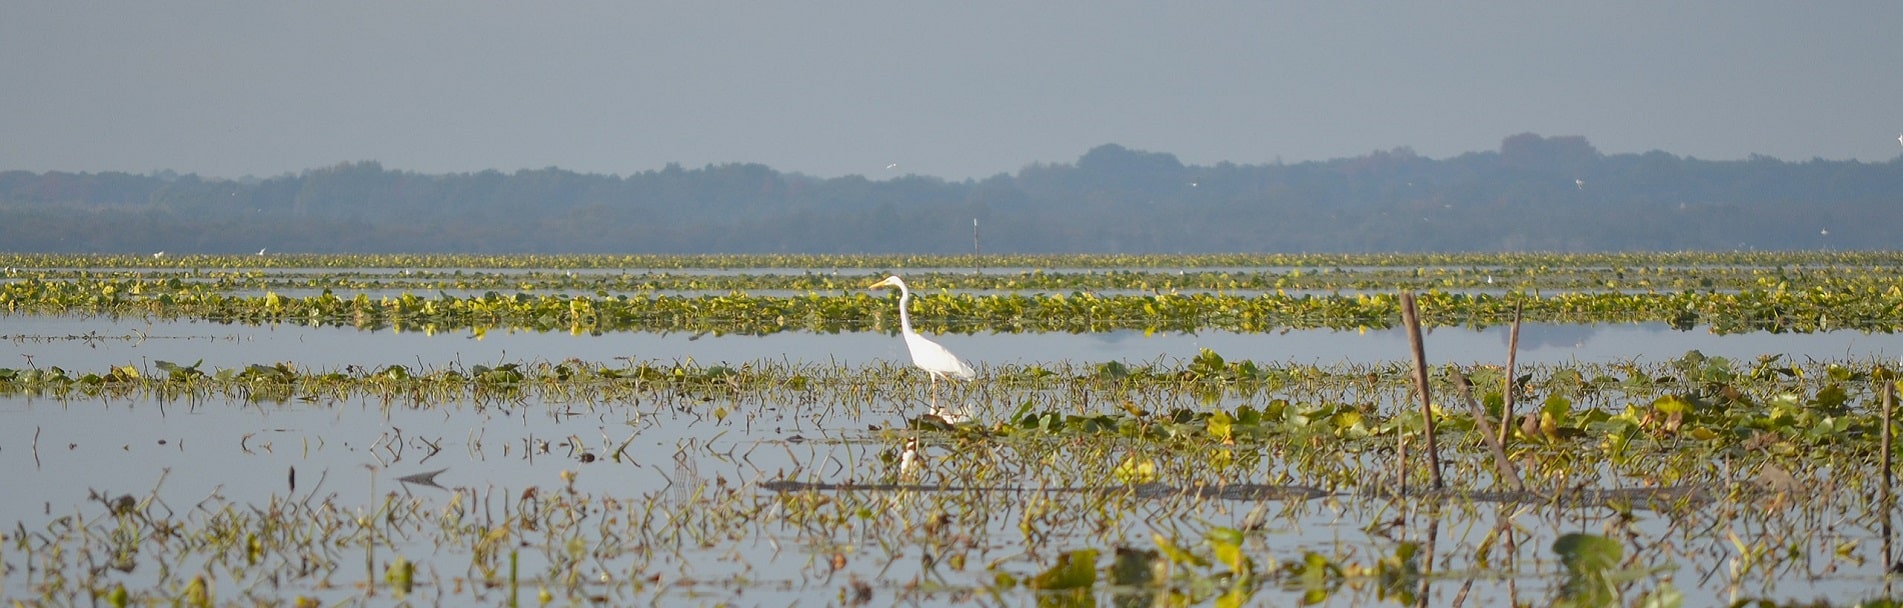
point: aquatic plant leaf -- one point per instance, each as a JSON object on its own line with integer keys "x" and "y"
{"x": 1398, "y": 575}
{"x": 1226, "y": 543}
{"x": 1247, "y": 415}
{"x": 1587, "y": 553}
{"x": 1314, "y": 596}
{"x": 1831, "y": 399}
{"x": 1073, "y": 570}
{"x": 1220, "y": 427}
{"x": 1557, "y": 406}
{"x": 179, "y": 372}
{"x": 1237, "y": 596}
{"x": 198, "y": 593}
{"x": 1665, "y": 596}
{"x": 1177, "y": 554}
{"x": 1221, "y": 459}
{"x": 1137, "y": 567}
{"x": 1206, "y": 365}
{"x": 401, "y": 575}
{"x": 1692, "y": 359}
{"x": 1672, "y": 404}
{"x": 1134, "y": 471}
{"x": 1839, "y": 373}
{"x": 1589, "y": 560}
{"x": 1717, "y": 370}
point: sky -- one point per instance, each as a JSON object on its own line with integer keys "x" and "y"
{"x": 947, "y": 89}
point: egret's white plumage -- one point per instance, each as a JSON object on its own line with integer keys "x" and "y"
{"x": 926, "y": 354}
{"x": 908, "y": 459}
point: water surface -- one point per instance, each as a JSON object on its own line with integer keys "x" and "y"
{"x": 86, "y": 344}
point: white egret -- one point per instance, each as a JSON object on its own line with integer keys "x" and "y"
{"x": 926, "y": 354}
{"x": 908, "y": 459}
{"x": 158, "y": 255}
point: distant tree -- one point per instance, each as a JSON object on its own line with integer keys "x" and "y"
{"x": 1558, "y": 155}
{"x": 1559, "y": 193}
{"x": 1133, "y": 174}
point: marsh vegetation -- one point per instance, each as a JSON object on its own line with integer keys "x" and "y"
{"x": 1666, "y": 477}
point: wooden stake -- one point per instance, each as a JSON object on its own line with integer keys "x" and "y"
{"x": 1412, "y": 319}
{"x": 1513, "y": 352}
{"x": 1889, "y": 563}
{"x": 1500, "y": 460}
{"x": 1401, "y": 458}
{"x": 1427, "y": 560}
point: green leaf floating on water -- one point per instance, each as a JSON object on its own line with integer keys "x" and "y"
{"x": 1134, "y": 471}
{"x": 1227, "y": 544}
{"x": 1074, "y": 570}
{"x": 1177, "y": 554}
{"x": 1138, "y": 567}
{"x": 1589, "y": 561}
{"x": 1587, "y": 553}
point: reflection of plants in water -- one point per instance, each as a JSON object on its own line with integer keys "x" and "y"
{"x": 1623, "y": 411}
{"x": 1206, "y": 481}
{"x": 1591, "y": 562}
{"x": 1191, "y": 481}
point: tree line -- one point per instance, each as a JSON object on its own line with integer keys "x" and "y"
{"x": 1532, "y": 194}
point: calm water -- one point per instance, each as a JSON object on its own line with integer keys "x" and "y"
{"x": 90, "y": 344}
{"x": 199, "y": 456}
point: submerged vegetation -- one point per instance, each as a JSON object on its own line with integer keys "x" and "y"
{"x": 1205, "y": 481}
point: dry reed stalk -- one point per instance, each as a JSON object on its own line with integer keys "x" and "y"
{"x": 1411, "y": 318}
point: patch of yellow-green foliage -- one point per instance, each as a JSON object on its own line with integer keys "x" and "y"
{"x": 590, "y": 294}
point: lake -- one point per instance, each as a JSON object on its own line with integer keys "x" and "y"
{"x": 697, "y": 469}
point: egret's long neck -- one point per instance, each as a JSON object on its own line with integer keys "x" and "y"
{"x": 905, "y": 301}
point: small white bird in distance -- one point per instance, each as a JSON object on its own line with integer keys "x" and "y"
{"x": 926, "y": 354}
{"x": 158, "y": 255}
{"x": 908, "y": 459}
{"x": 261, "y": 250}
{"x": 892, "y": 166}
{"x": 1581, "y": 183}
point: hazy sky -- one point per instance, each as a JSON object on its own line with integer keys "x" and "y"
{"x": 950, "y": 89}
